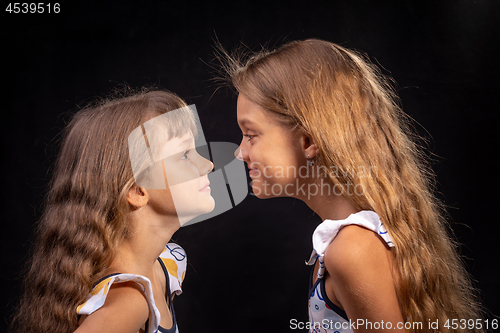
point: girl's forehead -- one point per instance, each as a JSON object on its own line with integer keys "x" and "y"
{"x": 166, "y": 147}
{"x": 252, "y": 115}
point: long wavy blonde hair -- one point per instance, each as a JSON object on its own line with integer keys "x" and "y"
{"x": 85, "y": 217}
{"x": 351, "y": 111}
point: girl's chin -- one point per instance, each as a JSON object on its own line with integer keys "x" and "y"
{"x": 207, "y": 207}
{"x": 262, "y": 194}
{"x": 267, "y": 190}
{"x": 210, "y": 205}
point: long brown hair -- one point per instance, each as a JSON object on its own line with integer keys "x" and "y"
{"x": 85, "y": 216}
{"x": 352, "y": 113}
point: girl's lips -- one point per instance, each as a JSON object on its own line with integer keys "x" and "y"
{"x": 206, "y": 188}
{"x": 252, "y": 169}
{"x": 253, "y": 172}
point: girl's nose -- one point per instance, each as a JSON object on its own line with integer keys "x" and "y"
{"x": 238, "y": 154}
{"x": 241, "y": 153}
{"x": 206, "y": 166}
{"x": 203, "y": 165}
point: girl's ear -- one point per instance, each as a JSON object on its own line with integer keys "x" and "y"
{"x": 309, "y": 147}
{"x": 137, "y": 196}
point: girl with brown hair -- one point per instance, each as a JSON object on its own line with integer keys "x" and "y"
{"x": 322, "y": 125}
{"x": 126, "y": 178}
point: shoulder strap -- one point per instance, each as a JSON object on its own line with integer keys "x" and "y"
{"x": 98, "y": 295}
{"x": 328, "y": 230}
{"x": 174, "y": 262}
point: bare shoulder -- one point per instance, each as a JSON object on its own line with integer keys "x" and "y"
{"x": 356, "y": 249}
{"x": 125, "y": 310}
{"x": 360, "y": 266}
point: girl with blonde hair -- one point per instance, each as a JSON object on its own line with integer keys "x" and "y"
{"x": 126, "y": 178}
{"x": 321, "y": 124}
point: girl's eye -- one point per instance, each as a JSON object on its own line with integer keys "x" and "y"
{"x": 185, "y": 155}
{"x": 250, "y": 137}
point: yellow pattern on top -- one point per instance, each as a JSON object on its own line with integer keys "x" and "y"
{"x": 175, "y": 261}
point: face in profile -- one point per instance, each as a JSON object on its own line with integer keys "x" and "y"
{"x": 271, "y": 151}
{"x": 166, "y": 163}
{"x": 186, "y": 176}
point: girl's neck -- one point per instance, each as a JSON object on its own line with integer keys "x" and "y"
{"x": 331, "y": 207}
{"x": 139, "y": 251}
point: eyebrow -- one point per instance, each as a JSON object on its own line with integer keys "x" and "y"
{"x": 188, "y": 141}
{"x": 245, "y": 122}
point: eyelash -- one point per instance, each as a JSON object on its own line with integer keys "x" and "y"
{"x": 184, "y": 156}
{"x": 250, "y": 137}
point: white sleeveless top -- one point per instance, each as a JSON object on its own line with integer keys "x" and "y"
{"x": 173, "y": 261}
{"x": 324, "y": 316}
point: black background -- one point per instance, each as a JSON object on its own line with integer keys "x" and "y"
{"x": 246, "y": 267}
